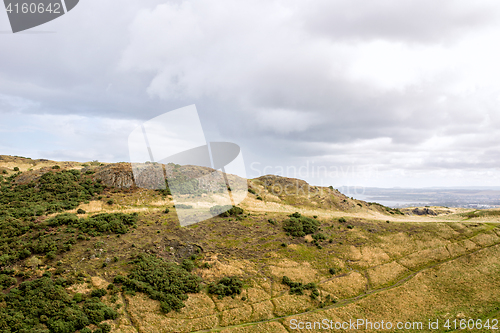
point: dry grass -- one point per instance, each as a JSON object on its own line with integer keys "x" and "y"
{"x": 385, "y": 274}
{"x": 347, "y": 286}
{"x": 197, "y": 305}
{"x": 300, "y": 272}
{"x": 262, "y": 311}
{"x": 255, "y": 294}
{"x": 486, "y": 239}
{"x": 146, "y": 314}
{"x": 290, "y": 304}
{"x": 271, "y": 327}
{"x": 371, "y": 256}
{"x": 236, "y": 316}
{"x": 421, "y": 258}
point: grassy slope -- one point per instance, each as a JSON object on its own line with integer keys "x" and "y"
{"x": 413, "y": 268}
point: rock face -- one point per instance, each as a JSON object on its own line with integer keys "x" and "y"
{"x": 116, "y": 175}
{"x": 423, "y": 211}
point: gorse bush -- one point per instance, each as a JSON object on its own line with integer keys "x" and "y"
{"x": 226, "y": 210}
{"x": 20, "y": 239}
{"x": 43, "y": 306}
{"x": 188, "y": 265}
{"x": 98, "y": 293}
{"x": 163, "y": 281}
{"x": 6, "y": 280}
{"x": 227, "y": 286}
{"x": 297, "y": 288}
{"x": 117, "y": 223}
{"x": 53, "y": 192}
{"x": 299, "y": 226}
{"x": 319, "y": 237}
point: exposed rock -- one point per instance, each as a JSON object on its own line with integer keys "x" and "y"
{"x": 423, "y": 211}
{"x": 115, "y": 175}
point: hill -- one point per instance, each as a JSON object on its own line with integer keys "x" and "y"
{"x": 84, "y": 250}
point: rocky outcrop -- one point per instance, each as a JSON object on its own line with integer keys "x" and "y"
{"x": 115, "y": 175}
{"x": 423, "y": 211}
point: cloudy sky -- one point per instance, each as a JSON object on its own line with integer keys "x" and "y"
{"x": 387, "y": 93}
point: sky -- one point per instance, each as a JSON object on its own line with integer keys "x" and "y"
{"x": 388, "y": 94}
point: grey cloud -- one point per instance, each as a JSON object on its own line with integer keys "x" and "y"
{"x": 269, "y": 76}
{"x": 423, "y": 21}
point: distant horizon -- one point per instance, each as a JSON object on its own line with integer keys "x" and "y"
{"x": 457, "y": 187}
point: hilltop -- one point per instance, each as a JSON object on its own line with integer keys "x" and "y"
{"x": 116, "y": 259}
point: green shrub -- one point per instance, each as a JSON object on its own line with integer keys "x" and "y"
{"x": 299, "y": 226}
{"x": 51, "y": 255}
{"x": 226, "y": 210}
{"x": 166, "y": 210}
{"x": 252, "y": 191}
{"x": 342, "y": 220}
{"x": 188, "y": 265}
{"x": 110, "y": 202}
{"x": 78, "y": 297}
{"x": 259, "y": 198}
{"x": 319, "y": 237}
{"x": 350, "y": 226}
{"x": 98, "y": 293}
{"x": 44, "y": 306}
{"x": 117, "y": 223}
{"x": 16, "y": 169}
{"x": 56, "y": 167}
{"x": 6, "y": 281}
{"x": 219, "y": 210}
{"x": 164, "y": 281}
{"x": 80, "y": 211}
{"x": 297, "y": 288}
{"x": 52, "y": 192}
{"x": 104, "y": 327}
{"x": 227, "y": 286}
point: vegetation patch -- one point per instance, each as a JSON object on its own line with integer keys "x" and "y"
{"x": 297, "y": 288}
{"x": 226, "y": 210}
{"x": 299, "y": 226}
{"x": 163, "y": 281}
{"x": 227, "y": 286}
{"x": 53, "y": 192}
{"x": 117, "y": 223}
{"x": 43, "y": 305}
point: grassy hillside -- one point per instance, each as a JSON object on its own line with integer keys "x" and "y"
{"x": 84, "y": 250}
